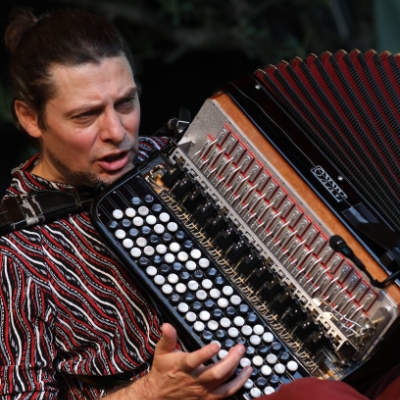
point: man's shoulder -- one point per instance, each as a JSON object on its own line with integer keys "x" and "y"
{"x": 149, "y": 144}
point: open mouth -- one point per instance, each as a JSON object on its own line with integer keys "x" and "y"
{"x": 114, "y": 157}
{"x": 115, "y": 162}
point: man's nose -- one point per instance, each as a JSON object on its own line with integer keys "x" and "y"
{"x": 112, "y": 128}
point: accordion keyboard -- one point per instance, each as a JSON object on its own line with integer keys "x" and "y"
{"x": 182, "y": 275}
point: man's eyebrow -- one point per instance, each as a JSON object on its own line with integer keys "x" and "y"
{"x": 83, "y": 109}
{"x": 129, "y": 93}
{"x": 98, "y": 107}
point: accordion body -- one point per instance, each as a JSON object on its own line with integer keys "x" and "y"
{"x": 272, "y": 167}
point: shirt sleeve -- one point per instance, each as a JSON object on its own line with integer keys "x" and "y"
{"x": 26, "y": 346}
{"x": 149, "y": 144}
{"x": 315, "y": 389}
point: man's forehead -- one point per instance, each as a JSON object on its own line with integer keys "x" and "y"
{"x": 91, "y": 78}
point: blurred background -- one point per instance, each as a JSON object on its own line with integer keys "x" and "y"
{"x": 185, "y": 50}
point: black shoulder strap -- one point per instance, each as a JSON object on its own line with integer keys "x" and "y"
{"x": 19, "y": 212}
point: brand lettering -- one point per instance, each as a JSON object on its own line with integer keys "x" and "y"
{"x": 329, "y": 184}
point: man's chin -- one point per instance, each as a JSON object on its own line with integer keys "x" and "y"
{"x": 109, "y": 179}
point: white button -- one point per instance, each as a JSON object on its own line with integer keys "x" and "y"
{"x": 227, "y": 290}
{"x": 117, "y": 213}
{"x": 138, "y": 221}
{"x": 257, "y": 361}
{"x": 255, "y": 340}
{"x": 191, "y": 316}
{"x": 204, "y": 315}
{"x": 159, "y": 229}
{"x": 225, "y": 322}
{"x": 173, "y": 278}
{"x": 269, "y": 390}
{"x": 135, "y": 252}
{"x": 248, "y": 384}
{"x": 201, "y": 294}
{"x": 266, "y": 370}
{"x": 172, "y": 226}
{"x": 167, "y": 288}
{"x": 159, "y": 280}
{"x": 130, "y": 212}
{"x": 169, "y": 258}
{"x": 212, "y": 325}
{"x": 141, "y": 241}
{"x": 292, "y": 366}
{"x": 222, "y": 353}
{"x": 198, "y": 326}
{"x": 233, "y": 332}
{"x": 151, "y": 220}
{"x": 204, "y": 263}
{"x": 206, "y": 284}
{"x": 195, "y": 253}
{"x": 279, "y": 368}
{"x": 215, "y": 293}
{"x": 183, "y": 308}
{"x": 238, "y": 321}
{"x": 149, "y": 251}
{"x": 258, "y": 329}
{"x": 127, "y": 243}
{"x": 180, "y": 288}
{"x": 164, "y": 217}
{"x": 193, "y": 285}
{"x": 268, "y": 337}
{"x": 182, "y": 256}
{"x": 151, "y": 270}
{"x": 271, "y": 358}
{"x": 235, "y": 300}
{"x": 223, "y": 302}
{"x": 246, "y": 330}
{"x": 174, "y": 247}
{"x": 120, "y": 233}
{"x": 143, "y": 211}
{"x": 190, "y": 265}
{"x": 161, "y": 248}
{"x": 255, "y": 392}
{"x": 244, "y": 362}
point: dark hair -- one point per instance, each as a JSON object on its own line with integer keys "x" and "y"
{"x": 66, "y": 37}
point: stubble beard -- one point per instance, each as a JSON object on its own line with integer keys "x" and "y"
{"x": 76, "y": 178}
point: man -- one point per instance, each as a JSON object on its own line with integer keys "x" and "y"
{"x": 73, "y": 322}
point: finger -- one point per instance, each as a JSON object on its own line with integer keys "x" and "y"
{"x": 228, "y": 389}
{"x": 223, "y": 369}
{"x": 196, "y": 358}
{"x": 168, "y": 341}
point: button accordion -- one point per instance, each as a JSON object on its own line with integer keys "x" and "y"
{"x": 274, "y": 219}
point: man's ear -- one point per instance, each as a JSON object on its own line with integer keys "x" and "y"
{"x": 27, "y": 118}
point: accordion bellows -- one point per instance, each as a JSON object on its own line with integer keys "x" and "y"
{"x": 335, "y": 119}
{"x": 348, "y": 105}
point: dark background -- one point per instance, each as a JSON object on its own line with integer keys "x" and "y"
{"x": 185, "y": 50}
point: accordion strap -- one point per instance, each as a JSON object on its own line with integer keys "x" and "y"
{"x": 19, "y": 212}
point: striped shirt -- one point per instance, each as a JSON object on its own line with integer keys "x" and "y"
{"x": 68, "y": 310}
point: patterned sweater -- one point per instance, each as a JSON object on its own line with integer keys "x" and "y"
{"x": 68, "y": 311}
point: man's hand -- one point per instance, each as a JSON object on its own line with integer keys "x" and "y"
{"x": 181, "y": 375}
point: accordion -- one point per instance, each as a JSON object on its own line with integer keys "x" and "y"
{"x": 274, "y": 219}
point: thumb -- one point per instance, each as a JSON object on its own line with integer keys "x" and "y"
{"x": 168, "y": 341}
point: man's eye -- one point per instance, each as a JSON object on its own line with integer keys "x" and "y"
{"x": 126, "y": 104}
{"x": 84, "y": 117}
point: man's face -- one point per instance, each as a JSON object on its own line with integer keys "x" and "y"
{"x": 92, "y": 123}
